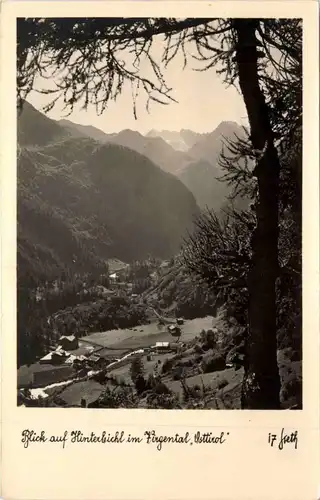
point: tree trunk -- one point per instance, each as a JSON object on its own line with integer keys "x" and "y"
{"x": 261, "y": 384}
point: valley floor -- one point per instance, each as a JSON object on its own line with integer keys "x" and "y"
{"x": 183, "y": 374}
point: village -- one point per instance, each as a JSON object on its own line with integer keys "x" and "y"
{"x": 179, "y": 352}
{"x": 81, "y": 355}
{"x": 164, "y": 262}
{"x": 183, "y": 355}
{"x": 76, "y": 360}
{"x": 169, "y": 348}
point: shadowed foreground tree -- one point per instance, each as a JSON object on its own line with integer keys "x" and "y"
{"x": 88, "y": 61}
{"x": 261, "y": 386}
{"x": 215, "y": 249}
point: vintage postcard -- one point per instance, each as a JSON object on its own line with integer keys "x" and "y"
{"x": 160, "y": 250}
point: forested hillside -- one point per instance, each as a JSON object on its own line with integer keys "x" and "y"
{"x": 80, "y": 202}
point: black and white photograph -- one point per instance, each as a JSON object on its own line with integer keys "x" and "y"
{"x": 159, "y": 213}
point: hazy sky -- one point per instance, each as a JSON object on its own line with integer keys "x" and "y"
{"x": 203, "y": 102}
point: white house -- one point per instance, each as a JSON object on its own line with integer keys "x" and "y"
{"x": 162, "y": 346}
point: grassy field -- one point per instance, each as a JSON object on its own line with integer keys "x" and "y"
{"x": 211, "y": 380}
{"x": 123, "y": 372}
{"x": 146, "y": 335}
{"x": 225, "y": 386}
{"x": 89, "y": 390}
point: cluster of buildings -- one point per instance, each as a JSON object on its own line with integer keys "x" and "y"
{"x": 118, "y": 284}
{"x": 65, "y": 362}
{"x": 64, "y": 353}
{"x": 69, "y": 352}
{"x": 70, "y": 359}
{"x": 73, "y": 358}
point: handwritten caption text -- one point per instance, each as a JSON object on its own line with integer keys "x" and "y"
{"x": 30, "y": 437}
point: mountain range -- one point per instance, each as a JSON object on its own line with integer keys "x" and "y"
{"x": 155, "y": 148}
{"x": 181, "y": 141}
{"x": 82, "y": 201}
{"x": 191, "y": 156}
{"x": 85, "y": 196}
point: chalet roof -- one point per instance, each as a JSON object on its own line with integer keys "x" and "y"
{"x": 84, "y": 349}
{"x": 50, "y": 355}
{"x": 70, "y": 338}
{"x": 47, "y": 357}
{"x": 94, "y": 357}
{"x": 72, "y": 358}
{"x": 60, "y": 350}
{"x": 173, "y": 327}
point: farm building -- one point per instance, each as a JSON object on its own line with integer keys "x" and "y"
{"x": 174, "y": 330}
{"x": 53, "y": 358}
{"x": 162, "y": 346}
{"x": 97, "y": 361}
{"x": 70, "y": 342}
{"x": 75, "y": 359}
{"x": 84, "y": 349}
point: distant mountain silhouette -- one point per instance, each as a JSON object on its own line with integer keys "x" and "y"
{"x": 192, "y": 156}
{"x": 202, "y": 174}
{"x": 155, "y": 148}
{"x": 78, "y": 130}
{"x": 181, "y": 141}
{"x": 209, "y": 146}
{"x": 36, "y": 129}
{"x": 190, "y": 137}
{"x": 81, "y": 202}
{"x": 174, "y": 139}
